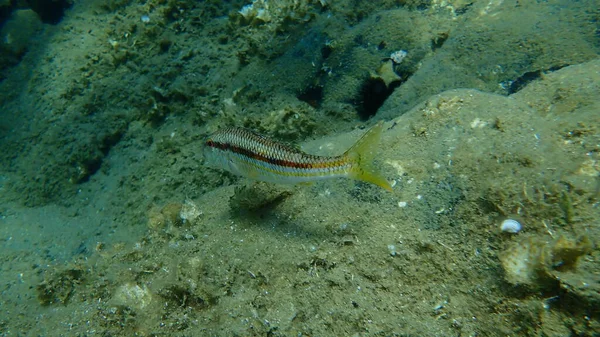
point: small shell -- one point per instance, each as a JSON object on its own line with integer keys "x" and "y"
{"x": 511, "y": 226}
{"x": 398, "y": 56}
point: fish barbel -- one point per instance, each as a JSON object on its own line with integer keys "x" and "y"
{"x": 248, "y": 154}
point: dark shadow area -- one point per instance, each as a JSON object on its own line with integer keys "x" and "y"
{"x": 50, "y": 12}
{"x": 372, "y": 95}
{"x": 4, "y": 14}
{"x": 439, "y": 41}
{"x": 313, "y": 95}
{"x": 529, "y": 77}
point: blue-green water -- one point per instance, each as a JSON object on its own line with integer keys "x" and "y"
{"x": 111, "y": 224}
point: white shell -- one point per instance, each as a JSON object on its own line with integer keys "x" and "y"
{"x": 511, "y": 226}
{"x": 398, "y": 56}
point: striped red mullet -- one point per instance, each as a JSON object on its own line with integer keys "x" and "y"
{"x": 251, "y": 155}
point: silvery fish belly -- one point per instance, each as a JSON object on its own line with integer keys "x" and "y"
{"x": 248, "y": 154}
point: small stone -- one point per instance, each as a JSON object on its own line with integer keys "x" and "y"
{"x": 392, "y": 249}
{"x": 190, "y": 212}
{"x": 132, "y": 295}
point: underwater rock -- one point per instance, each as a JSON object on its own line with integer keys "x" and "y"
{"x": 536, "y": 262}
{"x": 18, "y": 30}
{"x": 133, "y": 295}
{"x": 167, "y": 216}
{"x": 386, "y": 73}
{"x": 277, "y": 12}
{"x": 289, "y": 122}
{"x": 190, "y": 213}
{"x": 257, "y": 10}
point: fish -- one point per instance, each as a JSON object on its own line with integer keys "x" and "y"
{"x": 248, "y": 154}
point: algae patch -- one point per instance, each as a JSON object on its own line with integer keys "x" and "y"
{"x": 535, "y": 262}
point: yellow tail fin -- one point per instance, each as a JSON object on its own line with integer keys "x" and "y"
{"x": 361, "y": 155}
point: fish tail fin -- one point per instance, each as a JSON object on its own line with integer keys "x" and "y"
{"x": 361, "y": 156}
